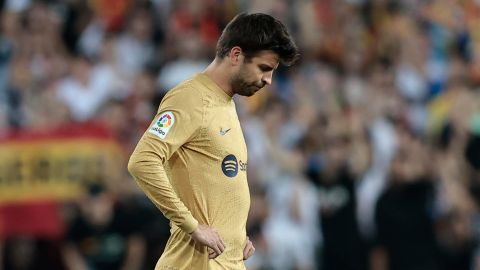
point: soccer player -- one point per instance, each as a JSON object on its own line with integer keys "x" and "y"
{"x": 192, "y": 160}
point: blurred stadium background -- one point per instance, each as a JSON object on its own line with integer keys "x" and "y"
{"x": 364, "y": 155}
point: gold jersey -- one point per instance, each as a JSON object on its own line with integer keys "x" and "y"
{"x": 191, "y": 162}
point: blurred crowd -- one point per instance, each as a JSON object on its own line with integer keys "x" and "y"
{"x": 364, "y": 155}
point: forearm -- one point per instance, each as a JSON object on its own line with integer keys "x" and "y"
{"x": 135, "y": 253}
{"x": 1, "y": 254}
{"x": 149, "y": 173}
{"x": 73, "y": 259}
{"x": 378, "y": 259}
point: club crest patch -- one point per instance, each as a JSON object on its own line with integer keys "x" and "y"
{"x": 163, "y": 125}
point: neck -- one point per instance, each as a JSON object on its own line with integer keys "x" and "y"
{"x": 218, "y": 71}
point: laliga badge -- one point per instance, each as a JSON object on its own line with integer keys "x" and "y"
{"x": 163, "y": 125}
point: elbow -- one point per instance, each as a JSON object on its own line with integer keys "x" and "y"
{"x": 141, "y": 163}
{"x": 133, "y": 165}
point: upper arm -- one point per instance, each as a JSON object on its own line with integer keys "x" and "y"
{"x": 178, "y": 120}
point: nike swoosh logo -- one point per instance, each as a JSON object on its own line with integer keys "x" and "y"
{"x": 223, "y": 132}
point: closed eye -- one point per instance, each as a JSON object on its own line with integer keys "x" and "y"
{"x": 265, "y": 68}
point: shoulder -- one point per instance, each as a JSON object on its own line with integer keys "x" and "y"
{"x": 183, "y": 104}
{"x": 186, "y": 95}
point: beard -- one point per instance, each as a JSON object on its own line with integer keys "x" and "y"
{"x": 242, "y": 87}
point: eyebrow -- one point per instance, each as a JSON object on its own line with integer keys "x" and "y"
{"x": 266, "y": 67}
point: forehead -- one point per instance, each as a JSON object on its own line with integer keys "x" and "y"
{"x": 267, "y": 57}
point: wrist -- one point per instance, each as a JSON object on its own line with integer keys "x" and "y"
{"x": 190, "y": 225}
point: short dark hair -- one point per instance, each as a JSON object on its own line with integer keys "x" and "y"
{"x": 257, "y": 32}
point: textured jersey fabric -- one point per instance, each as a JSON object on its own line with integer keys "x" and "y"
{"x": 191, "y": 162}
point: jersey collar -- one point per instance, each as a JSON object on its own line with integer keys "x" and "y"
{"x": 210, "y": 84}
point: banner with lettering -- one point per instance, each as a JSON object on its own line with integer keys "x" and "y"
{"x": 39, "y": 169}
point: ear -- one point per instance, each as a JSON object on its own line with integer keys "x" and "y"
{"x": 235, "y": 56}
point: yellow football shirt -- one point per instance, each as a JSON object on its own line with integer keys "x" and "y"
{"x": 191, "y": 162}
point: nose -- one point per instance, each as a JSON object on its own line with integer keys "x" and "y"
{"x": 267, "y": 78}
